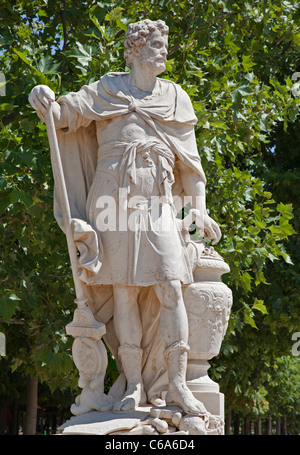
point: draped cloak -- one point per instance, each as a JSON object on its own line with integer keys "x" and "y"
{"x": 171, "y": 118}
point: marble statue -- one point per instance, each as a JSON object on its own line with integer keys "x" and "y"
{"x": 130, "y": 163}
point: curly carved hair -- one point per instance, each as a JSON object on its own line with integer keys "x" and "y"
{"x": 136, "y": 36}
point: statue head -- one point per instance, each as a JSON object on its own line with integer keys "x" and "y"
{"x": 147, "y": 41}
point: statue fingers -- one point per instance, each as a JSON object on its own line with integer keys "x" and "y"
{"x": 209, "y": 233}
{"x": 47, "y": 94}
{"x": 218, "y": 234}
{"x": 41, "y": 116}
{"x": 46, "y": 101}
{"x": 43, "y": 94}
{"x": 37, "y": 104}
{"x": 212, "y": 232}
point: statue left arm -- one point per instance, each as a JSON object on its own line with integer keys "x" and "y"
{"x": 195, "y": 188}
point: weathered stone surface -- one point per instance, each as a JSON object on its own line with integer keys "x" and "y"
{"x": 125, "y": 161}
{"x": 104, "y": 422}
{"x": 142, "y": 421}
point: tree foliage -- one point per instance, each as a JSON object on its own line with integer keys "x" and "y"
{"x": 236, "y": 60}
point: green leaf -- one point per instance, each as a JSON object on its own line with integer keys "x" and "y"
{"x": 27, "y": 199}
{"x": 264, "y": 122}
{"x": 286, "y": 210}
{"x": 46, "y": 66}
{"x": 15, "y": 196}
{"x": 7, "y": 107}
{"x": 246, "y": 279}
{"x": 260, "y": 277}
{"x": 296, "y": 39}
{"x": 8, "y": 306}
{"x": 4, "y": 204}
{"x": 253, "y": 230}
{"x": 218, "y": 124}
{"x": 82, "y": 53}
{"x": 244, "y": 90}
{"x": 249, "y": 320}
{"x": 287, "y": 258}
{"x": 286, "y": 227}
{"x": 169, "y": 65}
{"x": 260, "y": 306}
{"x": 23, "y": 57}
{"x": 13, "y": 296}
{"x": 247, "y": 63}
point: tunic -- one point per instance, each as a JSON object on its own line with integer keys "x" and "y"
{"x": 141, "y": 242}
{"x": 150, "y": 248}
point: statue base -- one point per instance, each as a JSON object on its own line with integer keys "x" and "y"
{"x": 145, "y": 420}
{"x": 208, "y": 392}
{"x": 213, "y": 401}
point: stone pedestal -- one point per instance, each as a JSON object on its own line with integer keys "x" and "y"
{"x": 213, "y": 401}
{"x": 204, "y": 389}
{"x": 90, "y": 357}
{"x": 144, "y": 420}
{"x": 208, "y": 302}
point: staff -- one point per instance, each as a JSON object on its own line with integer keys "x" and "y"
{"x": 64, "y": 203}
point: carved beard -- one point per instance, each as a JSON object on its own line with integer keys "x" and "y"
{"x": 152, "y": 62}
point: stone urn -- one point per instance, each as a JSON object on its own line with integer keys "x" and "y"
{"x": 208, "y": 302}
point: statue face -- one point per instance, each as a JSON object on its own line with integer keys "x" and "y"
{"x": 153, "y": 55}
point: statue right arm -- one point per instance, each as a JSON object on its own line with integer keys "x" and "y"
{"x": 40, "y": 98}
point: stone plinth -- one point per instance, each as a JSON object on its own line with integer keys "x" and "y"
{"x": 145, "y": 420}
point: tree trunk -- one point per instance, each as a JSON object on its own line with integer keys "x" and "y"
{"x": 228, "y": 422}
{"x": 258, "y": 428}
{"x": 284, "y": 425}
{"x": 247, "y": 426}
{"x": 15, "y": 419}
{"x": 2, "y": 417}
{"x": 278, "y": 424}
{"x": 31, "y": 406}
{"x": 236, "y": 425}
{"x": 54, "y": 424}
{"x": 269, "y": 425}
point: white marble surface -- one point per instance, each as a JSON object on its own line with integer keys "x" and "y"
{"x": 104, "y": 422}
{"x": 125, "y": 140}
{"x": 145, "y": 420}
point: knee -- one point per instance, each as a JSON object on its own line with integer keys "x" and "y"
{"x": 125, "y": 295}
{"x": 173, "y": 289}
{"x": 169, "y": 293}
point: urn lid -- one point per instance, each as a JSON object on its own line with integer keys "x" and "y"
{"x": 207, "y": 257}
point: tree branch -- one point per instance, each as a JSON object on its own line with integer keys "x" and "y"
{"x": 15, "y": 321}
{"x": 65, "y": 28}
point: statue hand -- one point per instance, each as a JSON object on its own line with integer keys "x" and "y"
{"x": 40, "y": 98}
{"x": 211, "y": 230}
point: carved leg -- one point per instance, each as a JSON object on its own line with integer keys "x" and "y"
{"x": 128, "y": 329}
{"x": 134, "y": 396}
{"x": 174, "y": 329}
{"x": 178, "y": 392}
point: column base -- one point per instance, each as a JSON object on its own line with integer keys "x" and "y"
{"x": 213, "y": 401}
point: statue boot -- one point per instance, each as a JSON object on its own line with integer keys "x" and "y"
{"x": 178, "y": 393}
{"x": 131, "y": 359}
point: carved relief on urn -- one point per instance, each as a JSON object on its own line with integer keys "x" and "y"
{"x": 208, "y": 302}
